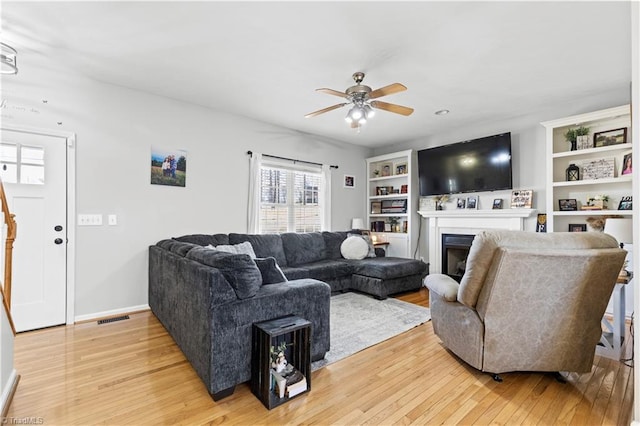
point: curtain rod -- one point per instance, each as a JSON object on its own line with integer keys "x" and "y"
{"x": 291, "y": 159}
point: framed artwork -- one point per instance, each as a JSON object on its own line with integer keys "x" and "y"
{"x": 577, "y": 227}
{"x": 386, "y": 169}
{"x": 625, "y": 203}
{"x": 461, "y": 203}
{"x": 349, "y": 181}
{"x": 472, "y": 202}
{"x": 610, "y": 137}
{"x": 401, "y": 168}
{"x": 568, "y": 204}
{"x": 627, "y": 164}
{"x": 168, "y": 167}
{"x": 541, "y": 224}
{"x": 598, "y": 169}
{"x": 521, "y": 199}
{"x": 376, "y": 207}
{"x": 497, "y": 204}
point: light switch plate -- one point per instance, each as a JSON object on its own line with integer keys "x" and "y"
{"x": 89, "y": 220}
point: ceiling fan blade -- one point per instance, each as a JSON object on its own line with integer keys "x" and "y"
{"x": 332, "y": 92}
{"x": 327, "y": 109}
{"x": 387, "y": 90}
{"x": 398, "y": 109}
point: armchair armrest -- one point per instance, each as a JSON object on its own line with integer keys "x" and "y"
{"x": 443, "y": 285}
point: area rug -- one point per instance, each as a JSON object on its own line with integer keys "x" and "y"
{"x": 359, "y": 321}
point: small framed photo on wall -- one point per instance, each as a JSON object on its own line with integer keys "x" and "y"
{"x": 349, "y": 181}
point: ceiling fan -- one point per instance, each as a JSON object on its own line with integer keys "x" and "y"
{"x": 362, "y": 99}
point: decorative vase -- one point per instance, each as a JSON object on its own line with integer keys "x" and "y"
{"x": 573, "y": 145}
{"x": 573, "y": 172}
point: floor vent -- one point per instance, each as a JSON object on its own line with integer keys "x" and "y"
{"x": 108, "y": 320}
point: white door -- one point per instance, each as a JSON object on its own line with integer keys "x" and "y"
{"x": 33, "y": 170}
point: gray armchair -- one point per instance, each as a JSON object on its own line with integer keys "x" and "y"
{"x": 527, "y": 301}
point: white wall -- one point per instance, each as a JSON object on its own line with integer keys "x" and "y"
{"x": 116, "y": 128}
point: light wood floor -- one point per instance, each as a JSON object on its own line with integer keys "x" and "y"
{"x": 131, "y": 372}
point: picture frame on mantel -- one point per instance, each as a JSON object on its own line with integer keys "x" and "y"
{"x": 521, "y": 199}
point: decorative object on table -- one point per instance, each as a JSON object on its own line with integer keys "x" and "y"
{"x": 577, "y": 227}
{"x": 610, "y": 137}
{"x": 619, "y": 228}
{"x": 386, "y": 169}
{"x": 349, "y": 181}
{"x": 598, "y": 202}
{"x": 427, "y": 204}
{"x": 584, "y": 142}
{"x": 625, "y": 203}
{"x": 384, "y": 190}
{"x": 278, "y": 360}
{"x": 376, "y": 207}
{"x": 627, "y": 165}
{"x": 572, "y": 136}
{"x": 497, "y": 204}
{"x": 598, "y": 169}
{"x": 394, "y": 223}
{"x": 573, "y": 173}
{"x": 168, "y": 167}
{"x": 521, "y": 198}
{"x": 472, "y": 202}
{"x": 461, "y": 203}
{"x": 541, "y": 224}
{"x": 440, "y": 200}
{"x": 400, "y": 168}
{"x": 568, "y": 204}
{"x": 357, "y": 223}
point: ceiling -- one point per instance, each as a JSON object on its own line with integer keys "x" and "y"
{"x": 484, "y": 61}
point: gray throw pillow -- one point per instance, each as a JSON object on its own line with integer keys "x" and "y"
{"x": 271, "y": 272}
{"x": 239, "y": 270}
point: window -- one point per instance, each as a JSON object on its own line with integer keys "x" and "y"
{"x": 289, "y": 200}
{"x": 21, "y": 164}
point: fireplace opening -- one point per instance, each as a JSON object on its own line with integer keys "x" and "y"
{"x": 455, "y": 249}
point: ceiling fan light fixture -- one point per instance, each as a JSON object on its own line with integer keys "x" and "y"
{"x": 370, "y": 112}
{"x": 8, "y": 59}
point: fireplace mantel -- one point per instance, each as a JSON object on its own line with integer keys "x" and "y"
{"x": 468, "y": 222}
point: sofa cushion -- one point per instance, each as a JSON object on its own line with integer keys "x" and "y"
{"x": 204, "y": 239}
{"x": 265, "y": 245}
{"x": 332, "y": 241}
{"x": 388, "y": 267}
{"x": 367, "y": 239}
{"x": 303, "y": 248}
{"x": 240, "y": 270}
{"x": 293, "y": 273}
{"x": 242, "y": 248}
{"x": 354, "y": 247}
{"x": 328, "y": 270}
{"x": 270, "y": 271}
{"x": 177, "y": 247}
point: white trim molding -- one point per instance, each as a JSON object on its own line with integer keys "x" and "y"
{"x": 111, "y": 313}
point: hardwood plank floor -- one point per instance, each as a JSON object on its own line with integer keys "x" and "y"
{"x": 131, "y": 372}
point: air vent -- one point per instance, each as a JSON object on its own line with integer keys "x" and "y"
{"x": 108, "y": 320}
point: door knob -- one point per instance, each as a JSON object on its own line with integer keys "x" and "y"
{"x": 58, "y": 241}
{"x": 57, "y": 228}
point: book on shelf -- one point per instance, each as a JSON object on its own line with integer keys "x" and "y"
{"x": 297, "y": 387}
{"x": 289, "y": 382}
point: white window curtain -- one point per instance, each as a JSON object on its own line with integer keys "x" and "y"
{"x": 285, "y": 196}
{"x": 253, "y": 215}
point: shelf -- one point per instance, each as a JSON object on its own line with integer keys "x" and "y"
{"x": 388, "y": 215}
{"x": 619, "y": 179}
{"x": 582, "y": 152}
{"x": 498, "y": 213}
{"x": 378, "y": 179}
{"x": 593, "y": 212}
{"x": 390, "y": 196}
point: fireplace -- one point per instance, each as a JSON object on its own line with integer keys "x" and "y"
{"x": 455, "y": 249}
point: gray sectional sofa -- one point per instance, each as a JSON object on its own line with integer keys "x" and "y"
{"x": 209, "y": 300}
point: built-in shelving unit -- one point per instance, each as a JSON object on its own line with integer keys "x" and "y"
{"x": 391, "y": 201}
{"x": 560, "y": 156}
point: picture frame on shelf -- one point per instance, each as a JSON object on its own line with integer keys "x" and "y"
{"x": 404, "y": 189}
{"x": 598, "y": 169}
{"x": 349, "y": 181}
{"x": 626, "y": 203}
{"x": 577, "y": 227}
{"x": 521, "y": 199}
{"x": 610, "y": 137}
{"x": 376, "y": 207}
{"x": 627, "y": 165}
{"x": 541, "y": 223}
{"x": 472, "y": 202}
{"x": 497, "y": 204}
{"x": 568, "y": 204}
{"x": 386, "y": 169}
{"x": 401, "y": 168}
{"x": 584, "y": 142}
{"x": 461, "y": 203}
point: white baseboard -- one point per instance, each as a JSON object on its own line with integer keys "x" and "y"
{"x": 8, "y": 391}
{"x": 114, "y": 312}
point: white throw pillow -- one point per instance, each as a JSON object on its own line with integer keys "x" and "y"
{"x": 354, "y": 248}
{"x": 367, "y": 239}
{"x": 242, "y": 248}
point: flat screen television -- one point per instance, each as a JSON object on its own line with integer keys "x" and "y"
{"x": 482, "y": 164}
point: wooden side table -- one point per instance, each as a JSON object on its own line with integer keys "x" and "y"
{"x": 612, "y": 339}
{"x": 296, "y": 333}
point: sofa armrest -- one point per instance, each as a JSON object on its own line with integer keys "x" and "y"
{"x": 443, "y": 285}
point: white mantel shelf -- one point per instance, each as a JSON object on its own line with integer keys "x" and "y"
{"x": 468, "y": 213}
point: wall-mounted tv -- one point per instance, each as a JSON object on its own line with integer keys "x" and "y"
{"x": 482, "y": 164}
